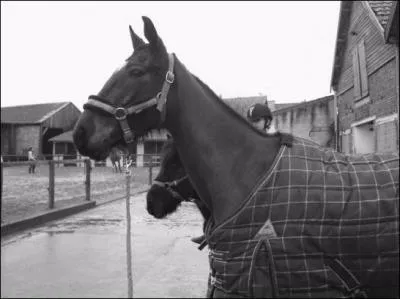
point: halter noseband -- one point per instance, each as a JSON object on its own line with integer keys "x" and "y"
{"x": 121, "y": 113}
{"x": 169, "y": 186}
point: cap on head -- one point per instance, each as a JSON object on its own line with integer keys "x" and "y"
{"x": 258, "y": 111}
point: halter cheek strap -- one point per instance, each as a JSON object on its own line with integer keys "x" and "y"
{"x": 169, "y": 186}
{"x": 162, "y": 95}
{"x": 121, "y": 113}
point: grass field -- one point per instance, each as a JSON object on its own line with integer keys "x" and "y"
{"x": 26, "y": 194}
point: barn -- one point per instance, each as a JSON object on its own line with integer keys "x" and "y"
{"x": 365, "y": 76}
{"x": 33, "y": 125}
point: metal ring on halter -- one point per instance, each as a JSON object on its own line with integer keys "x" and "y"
{"x": 170, "y": 77}
{"x": 120, "y": 113}
{"x": 169, "y": 186}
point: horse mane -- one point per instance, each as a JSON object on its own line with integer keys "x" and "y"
{"x": 231, "y": 110}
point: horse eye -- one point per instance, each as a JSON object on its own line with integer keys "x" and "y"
{"x": 136, "y": 73}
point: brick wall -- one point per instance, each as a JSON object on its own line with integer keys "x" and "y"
{"x": 382, "y": 102}
{"x": 382, "y": 94}
{"x": 26, "y": 136}
{"x": 382, "y": 89}
{"x": 387, "y": 136}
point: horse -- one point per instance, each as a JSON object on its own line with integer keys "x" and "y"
{"x": 171, "y": 187}
{"x": 288, "y": 217}
{"x": 115, "y": 157}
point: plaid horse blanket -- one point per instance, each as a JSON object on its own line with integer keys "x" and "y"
{"x": 319, "y": 224}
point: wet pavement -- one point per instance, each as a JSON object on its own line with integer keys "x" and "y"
{"x": 85, "y": 255}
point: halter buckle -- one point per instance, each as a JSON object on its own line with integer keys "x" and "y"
{"x": 128, "y": 137}
{"x": 120, "y": 113}
{"x": 170, "y": 77}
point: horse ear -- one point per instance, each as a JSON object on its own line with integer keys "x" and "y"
{"x": 150, "y": 33}
{"x": 136, "y": 40}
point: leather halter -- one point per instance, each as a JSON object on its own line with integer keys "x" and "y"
{"x": 121, "y": 113}
{"x": 169, "y": 186}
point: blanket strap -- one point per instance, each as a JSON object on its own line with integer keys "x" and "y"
{"x": 270, "y": 266}
{"x": 350, "y": 282}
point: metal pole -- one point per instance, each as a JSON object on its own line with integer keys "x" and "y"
{"x": 128, "y": 230}
{"x": 88, "y": 169}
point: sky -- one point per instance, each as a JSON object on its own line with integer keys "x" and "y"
{"x": 65, "y": 51}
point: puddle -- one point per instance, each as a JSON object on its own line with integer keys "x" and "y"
{"x": 52, "y": 233}
{"x": 72, "y": 225}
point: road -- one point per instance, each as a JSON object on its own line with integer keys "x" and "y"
{"x": 85, "y": 255}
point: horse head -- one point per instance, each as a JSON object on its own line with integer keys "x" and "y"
{"x": 171, "y": 186}
{"x": 131, "y": 102}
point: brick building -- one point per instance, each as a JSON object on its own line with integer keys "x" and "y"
{"x": 365, "y": 77}
{"x": 33, "y": 125}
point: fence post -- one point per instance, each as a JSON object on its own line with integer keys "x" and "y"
{"x": 1, "y": 198}
{"x": 88, "y": 168}
{"x": 51, "y": 184}
{"x": 151, "y": 173}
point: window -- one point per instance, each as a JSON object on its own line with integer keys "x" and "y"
{"x": 360, "y": 72}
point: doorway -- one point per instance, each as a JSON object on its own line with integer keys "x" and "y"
{"x": 364, "y": 138}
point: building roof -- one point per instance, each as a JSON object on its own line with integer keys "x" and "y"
{"x": 392, "y": 26}
{"x": 303, "y": 104}
{"x": 379, "y": 11}
{"x": 156, "y": 135}
{"x": 242, "y": 104}
{"x": 64, "y": 137}
{"x": 279, "y": 106}
{"x": 30, "y": 114}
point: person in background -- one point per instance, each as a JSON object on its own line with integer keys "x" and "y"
{"x": 260, "y": 116}
{"x": 32, "y": 160}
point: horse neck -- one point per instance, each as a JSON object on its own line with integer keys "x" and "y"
{"x": 223, "y": 155}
